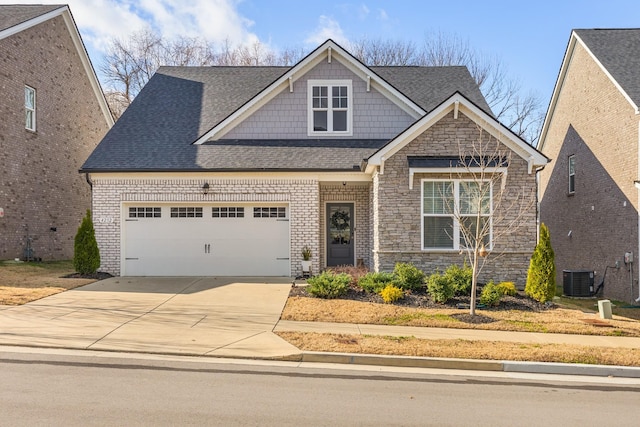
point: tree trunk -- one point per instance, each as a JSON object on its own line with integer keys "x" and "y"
{"x": 474, "y": 283}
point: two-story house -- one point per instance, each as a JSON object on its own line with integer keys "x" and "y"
{"x": 53, "y": 114}
{"x": 234, "y": 170}
{"x": 589, "y": 195}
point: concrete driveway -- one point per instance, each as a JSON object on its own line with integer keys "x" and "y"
{"x": 231, "y": 317}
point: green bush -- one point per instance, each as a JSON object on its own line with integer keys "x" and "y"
{"x": 541, "y": 276}
{"x": 408, "y": 276}
{"x": 491, "y": 294}
{"x": 440, "y": 288}
{"x": 460, "y": 278}
{"x": 508, "y": 288}
{"x": 375, "y": 282}
{"x": 391, "y": 293}
{"x": 328, "y": 285}
{"x": 86, "y": 255}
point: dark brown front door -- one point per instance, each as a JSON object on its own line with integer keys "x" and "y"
{"x": 340, "y": 243}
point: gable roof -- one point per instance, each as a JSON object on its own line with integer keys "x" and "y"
{"x": 18, "y": 18}
{"x": 617, "y": 53}
{"x": 459, "y": 103}
{"x": 179, "y": 105}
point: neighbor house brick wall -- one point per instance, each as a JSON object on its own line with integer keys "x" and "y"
{"x": 302, "y": 196}
{"x": 40, "y": 187}
{"x": 594, "y": 122}
{"x": 360, "y": 195}
{"x": 285, "y": 116}
{"x": 398, "y": 224}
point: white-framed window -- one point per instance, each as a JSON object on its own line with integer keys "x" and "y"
{"x": 270, "y": 212}
{"x": 446, "y": 204}
{"x": 145, "y": 212}
{"x": 330, "y": 107}
{"x": 572, "y": 174}
{"x": 30, "y": 108}
{"x": 186, "y": 212}
{"x": 227, "y": 212}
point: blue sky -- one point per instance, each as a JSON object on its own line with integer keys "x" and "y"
{"x": 529, "y": 37}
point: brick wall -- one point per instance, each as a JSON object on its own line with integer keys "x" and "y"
{"x": 374, "y": 116}
{"x": 397, "y": 223}
{"x": 595, "y": 123}
{"x": 302, "y": 195}
{"x": 40, "y": 187}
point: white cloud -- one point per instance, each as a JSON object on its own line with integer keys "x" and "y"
{"x": 363, "y": 12}
{"x": 328, "y": 28}
{"x": 382, "y": 15}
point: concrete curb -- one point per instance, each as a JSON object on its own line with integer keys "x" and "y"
{"x": 473, "y": 364}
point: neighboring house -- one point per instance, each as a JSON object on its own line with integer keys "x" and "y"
{"x": 234, "y": 170}
{"x": 589, "y": 197}
{"x": 53, "y": 114}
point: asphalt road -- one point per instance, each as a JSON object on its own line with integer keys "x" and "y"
{"x": 83, "y": 392}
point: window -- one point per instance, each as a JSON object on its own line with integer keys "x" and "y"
{"x": 186, "y": 212}
{"x": 330, "y": 107}
{"x": 145, "y": 212}
{"x": 572, "y": 174}
{"x": 440, "y": 201}
{"x": 30, "y": 108}
{"x": 227, "y": 212}
{"x": 269, "y": 212}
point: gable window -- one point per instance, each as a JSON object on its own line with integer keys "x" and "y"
{"x": 30, "y": 108}
{"x": 330, "y": 107}
{"x": 572, "y": 174}
{"x": 441, "y": 200}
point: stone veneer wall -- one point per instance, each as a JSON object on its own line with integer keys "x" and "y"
{"x": 360, "y": 196}
{"x": 397, "y": 222}
{"x": 109, "y": 194}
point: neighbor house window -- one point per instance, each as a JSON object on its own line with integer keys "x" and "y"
{"x": 442, "y": 228}
{"x": 30, "y": 108}
{"x": 330, "y": 107}
{"x": 572, "y": 174}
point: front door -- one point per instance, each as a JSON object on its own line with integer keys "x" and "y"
{"x": 339, "y": 234}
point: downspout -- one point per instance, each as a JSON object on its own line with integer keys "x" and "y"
{"x": 538, "y": 202}
{"x": 88, "y": 178}
{"x": 637, "y": 183}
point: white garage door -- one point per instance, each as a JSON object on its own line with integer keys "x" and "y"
{"x": 206, "y": 240}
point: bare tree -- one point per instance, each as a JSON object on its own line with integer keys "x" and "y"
{"x": 486, "y": 209}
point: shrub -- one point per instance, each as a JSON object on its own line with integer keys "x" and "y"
{"x": 86, "y": 255}
{"x": 329, "y": 285}
{"x": 391, "y": 293}
{"x": 375, "y": 282}
{"x": 408, "y": 276}
{"x": 491, "y": 294}
{"x": 460, "y": 278}
{"x": 508, "y": 288}
{"x": 541, "y": 277}
{"x": 440, "y": 288}
{"x": 355, "y": 272}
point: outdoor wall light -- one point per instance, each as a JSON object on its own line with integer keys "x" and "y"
{"x": 205, "y": 188}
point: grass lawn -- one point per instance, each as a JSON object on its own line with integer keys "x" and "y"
{"x": 22, "y": 282}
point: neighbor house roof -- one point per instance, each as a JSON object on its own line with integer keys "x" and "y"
{"x": 17, "y": 18}
{"x": 616, "y": 51}
{"x": 180, "y": 105}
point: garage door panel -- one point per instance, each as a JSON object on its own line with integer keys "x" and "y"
{"x": 202, "y": 246}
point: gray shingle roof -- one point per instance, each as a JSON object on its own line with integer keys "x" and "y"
{"x": 619, "y": 52}
{"x": 13, "y": 14}
{"x": 179, "y": 104}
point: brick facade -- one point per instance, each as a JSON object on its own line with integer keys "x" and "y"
{"x": 40, "y": 187}
{"x": 397, "y": 217}
{"x": 595, "y": 123}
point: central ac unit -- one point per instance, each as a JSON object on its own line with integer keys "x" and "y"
{"x": 577, "y": 283}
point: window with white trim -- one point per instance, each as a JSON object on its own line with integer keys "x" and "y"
{"x": 30, "y": 108}
{"x": 446, "y": 203}
{"x": 270, "y": 212}
{"x": 144, "y": 212}
{"x": 186, "y": 212}
{"x": 227, "y": 212}
{"x": 330, "y": 107}
{"x": 572, "y": 174}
